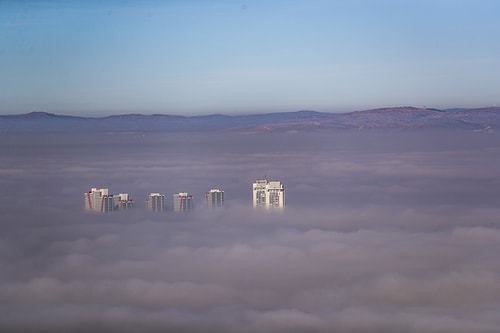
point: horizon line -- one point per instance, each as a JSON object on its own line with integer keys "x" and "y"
{"x": 242, "y": 114}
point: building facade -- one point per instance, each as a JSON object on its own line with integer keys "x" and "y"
{"x": 268, "y": 194}
{"x": 214, "y": 198}
{"x": 99, "y": 200}
{"x": 124, "y": 202}
{"x": 183, "y": 202}
{"x": 155, "y": 202}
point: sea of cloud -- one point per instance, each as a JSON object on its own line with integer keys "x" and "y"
{"x": 383, "y": 232}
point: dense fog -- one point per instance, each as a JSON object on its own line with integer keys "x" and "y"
{"x": 383, "y": 232}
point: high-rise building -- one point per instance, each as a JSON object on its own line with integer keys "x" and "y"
{"x": 214, "y": 198}
{"x": 124, "y": 202}
{"x": 276, "y": 197}
{"x": 259, "y": 193}
{"x": 268, "y": 194}
{"x": 156, "y": 202}
{"x": 183, "y": 202}
{"x": 95, "y": 199}
{"x": 99, "y": 200}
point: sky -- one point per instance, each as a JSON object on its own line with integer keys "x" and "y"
{"x": 382, "y": 232}
{"x": 233, "y": 57}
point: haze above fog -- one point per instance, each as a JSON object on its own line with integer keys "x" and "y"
{"x": 383, "y": 232}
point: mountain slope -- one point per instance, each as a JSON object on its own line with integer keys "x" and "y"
{"x": 399, "y": 118}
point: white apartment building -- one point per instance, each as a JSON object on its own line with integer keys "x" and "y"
{"x": 214, "y": 198}
{"x": 183, "y": 202}
{"x": 155, "y": 202}
{"x": 99, "y": 200}
{"x": 268, "y": 194}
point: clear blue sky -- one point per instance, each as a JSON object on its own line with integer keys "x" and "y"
{"x": 201, "y": 56}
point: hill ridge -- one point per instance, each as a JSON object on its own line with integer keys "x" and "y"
{"x": 400, "y": 117}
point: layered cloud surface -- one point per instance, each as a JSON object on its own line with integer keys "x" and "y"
{"x": 382, "y": 232}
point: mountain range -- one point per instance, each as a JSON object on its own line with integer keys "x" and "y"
{"x": 394, "y": 118}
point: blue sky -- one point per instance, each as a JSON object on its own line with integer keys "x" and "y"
{"x": 200, "y": 57}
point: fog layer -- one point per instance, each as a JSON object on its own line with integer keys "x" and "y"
{"x": 383, "y": 232}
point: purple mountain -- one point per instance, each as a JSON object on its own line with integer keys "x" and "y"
{"x": 394, "y": 118}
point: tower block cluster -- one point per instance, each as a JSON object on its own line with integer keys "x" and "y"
{"x": 99, "y": 200}
{"x": 266, "y": 194}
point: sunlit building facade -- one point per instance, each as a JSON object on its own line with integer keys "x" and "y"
{"x": 99, "y": 200}
{"x": 268, "y": 194}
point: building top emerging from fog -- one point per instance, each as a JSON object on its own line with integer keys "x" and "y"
{"x": 268, "y": 194}
{"x": 156, "y": 202}
{"x": 183, "y": 202}
{"x": 99, "y": 200}
{"x": 214, "y": 198}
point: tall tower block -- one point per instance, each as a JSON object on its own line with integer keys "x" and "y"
{"x": 268, "y": 194}
{"x": 214, "y": 198}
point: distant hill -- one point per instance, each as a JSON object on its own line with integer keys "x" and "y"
{"x": 394, "y": 118}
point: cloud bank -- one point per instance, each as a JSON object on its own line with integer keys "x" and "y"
{"x": 383, "y": 233}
